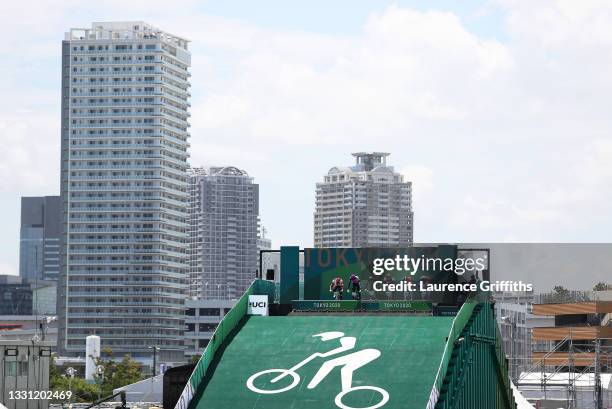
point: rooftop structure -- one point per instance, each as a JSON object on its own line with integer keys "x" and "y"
{"x": 124, "y": 30}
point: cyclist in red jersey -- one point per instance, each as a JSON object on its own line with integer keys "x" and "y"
{"x": 337, "y": 287}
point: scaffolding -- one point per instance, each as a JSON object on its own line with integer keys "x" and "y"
{"x": 581, "y": 382}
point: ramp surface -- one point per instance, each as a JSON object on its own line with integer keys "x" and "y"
{"x": 410, "y": 352}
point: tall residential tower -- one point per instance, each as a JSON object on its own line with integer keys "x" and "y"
{"x": 124, "y": 189}
{"x": 224, "y": 220}
{"x": 365, "y": 205}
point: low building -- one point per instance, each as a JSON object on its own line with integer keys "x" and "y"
{"x": 24, "y": 366}
{"x": 15, "y": 296}
{"x": 28, "y": 327}
{"x": 201, "y": 320}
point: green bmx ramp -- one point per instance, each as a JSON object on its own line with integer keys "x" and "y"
{"x": 318, "y": 362}
{"x": 351, "y": 361}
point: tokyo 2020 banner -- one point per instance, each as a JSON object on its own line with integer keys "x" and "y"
{"x": 392, "y": 273}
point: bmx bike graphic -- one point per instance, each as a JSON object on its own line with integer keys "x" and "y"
{"x": 349, "y": 364}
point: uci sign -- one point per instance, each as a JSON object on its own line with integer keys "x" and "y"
{"x": 258, "y": 305}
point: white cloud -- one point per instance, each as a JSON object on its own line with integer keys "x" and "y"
{"x": 421, "y": 176}
{"x": 29, "y": 158}
{"x": 312, "y": 89}
{"x": 8, "y": 269}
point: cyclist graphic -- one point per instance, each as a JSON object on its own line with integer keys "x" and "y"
{"x": 348, "y": 363}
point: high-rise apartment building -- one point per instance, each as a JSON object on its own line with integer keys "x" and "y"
{"x": 39, "y": 238}
{"x": 124, "y": 189}
{"x": 224, "y": 215}
{"x": 365, "y": 205}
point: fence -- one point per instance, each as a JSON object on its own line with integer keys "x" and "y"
{"x": 572, "y": 296}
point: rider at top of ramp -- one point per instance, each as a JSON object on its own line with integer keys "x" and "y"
{"x": 319, "y": 362}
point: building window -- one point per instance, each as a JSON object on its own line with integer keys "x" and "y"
{"x": 23, "y": 369}
{"x": 207, "y": 327}
{"x": 210, "y": 312}
{"x": 10, "y": 368}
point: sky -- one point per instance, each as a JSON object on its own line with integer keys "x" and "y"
{"x": 497, "y": 111}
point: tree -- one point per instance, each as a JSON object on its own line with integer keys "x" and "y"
{"x": 601, "y": 286}
{"x": 54, "y": 373}
{"x": 82, "y": 391}
{"x": 118, "y": 374}
{"x": 195, "y": 359}
{"x": 560, "y": 293}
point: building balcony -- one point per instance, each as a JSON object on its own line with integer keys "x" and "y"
{"x": 575, "y": 333}
{"x": 572, "y": 308}
{"x": 563, "y": 358}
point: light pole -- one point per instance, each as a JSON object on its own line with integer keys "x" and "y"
{"x": 70, "y": 371}
{"x": 99, "y": 379}
{"x": 154, "y": 359}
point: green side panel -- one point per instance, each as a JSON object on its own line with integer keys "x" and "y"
{"x": 477, "y": 374}
{"x": 411, "y": 349}
{"x": 224, "y": 329}
{"x": 458, "y": 326}
{"x": 289, "y": 274}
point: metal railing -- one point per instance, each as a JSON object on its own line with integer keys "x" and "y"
{"x": 572, "y": 297}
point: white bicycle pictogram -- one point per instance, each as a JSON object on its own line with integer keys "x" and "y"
{"x": 349, "y": 364}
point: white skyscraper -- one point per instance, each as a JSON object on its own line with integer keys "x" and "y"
{"x": 124, "y": 189}
{"x": 365, "y": 205}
